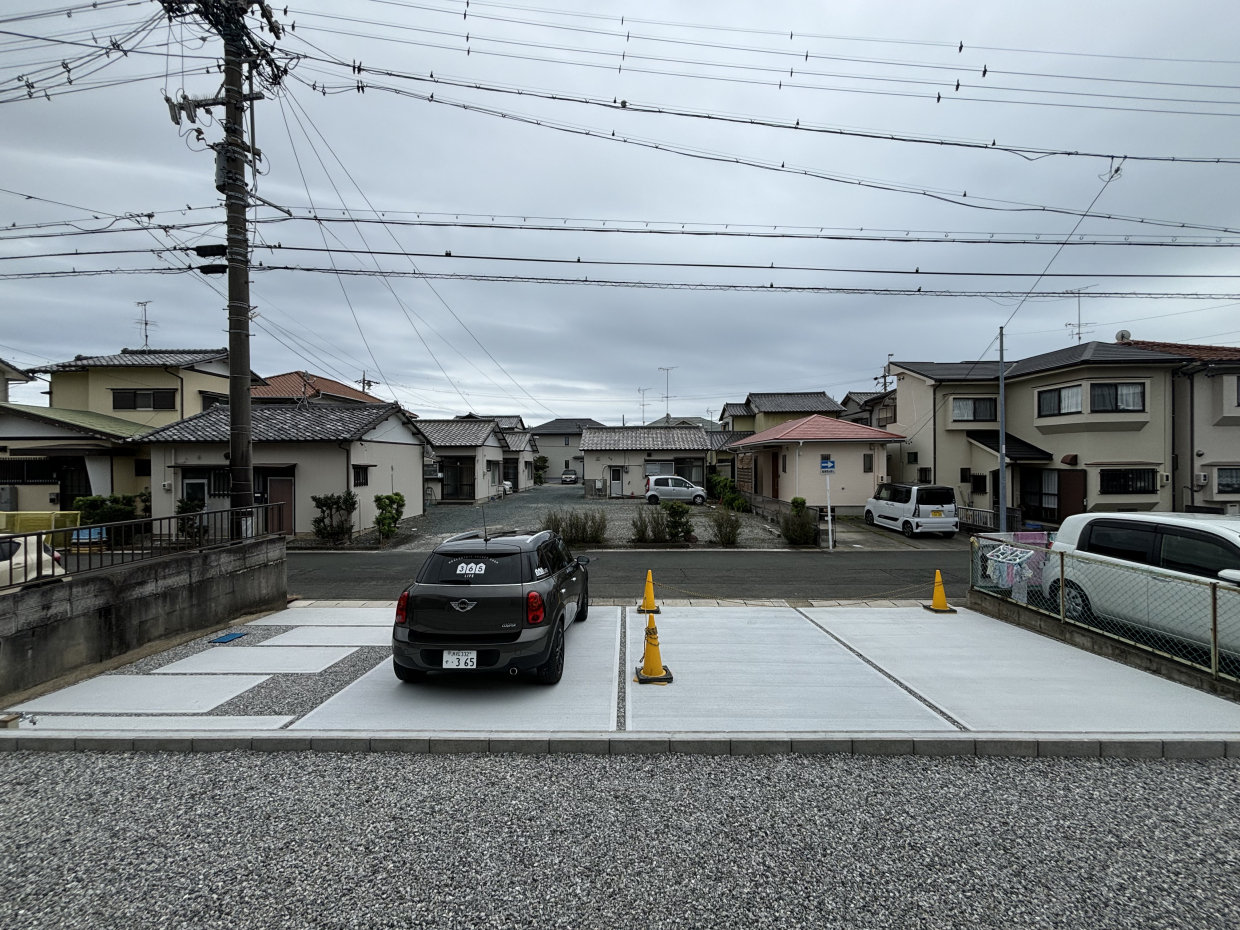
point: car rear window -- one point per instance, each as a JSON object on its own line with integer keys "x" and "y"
{"x": 474, "y": 568}
{"x": 1189, "y": 552}
{"x": 936, "y": 497}
{"x": 7, "y": 549}
{"x": 1131, "y": 542}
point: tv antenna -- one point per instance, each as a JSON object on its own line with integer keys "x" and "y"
{"x": 886, "y": 371}
{"x": 642, "y": 403}
{"x": 667, "y": 390}
{"x": 1078, "y": 329}
{"x": 144, "y": 322}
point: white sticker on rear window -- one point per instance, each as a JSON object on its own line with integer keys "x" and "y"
{"x": 471, "y": 568}
{"x": 539, "y": 572}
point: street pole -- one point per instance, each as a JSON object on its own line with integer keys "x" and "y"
{"x": 830, "y": 521}
{"x": 1002, "y": 439}
{"x": 232, "y": 153}
{"x": 667, "y": 390}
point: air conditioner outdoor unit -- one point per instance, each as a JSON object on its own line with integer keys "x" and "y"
{"x": 1203, "y": 477}
{"x": 1232, "y": 508}
{"x": 167, "y": 485}
{"x": 1166, "y": 478}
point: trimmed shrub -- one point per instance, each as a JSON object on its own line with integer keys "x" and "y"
{"x": 798, "y": 505}
{"x": 658, "y": 525}
{"x": 725, "y": 526}
{"x": 641, "y": 526}
{"x": 110, "y": 509}
{"x": 679, "y": 526}
{"x": 334, "y": 524}
{"x": 190, "y": 526}
{"x": 798, "y": 527}
{"x": 390, "y": 508}
{"x": 577, "y": 526}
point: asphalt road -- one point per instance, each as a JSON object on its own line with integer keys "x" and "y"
{"x": 784, "y": 574}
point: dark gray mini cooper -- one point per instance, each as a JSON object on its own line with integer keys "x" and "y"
{"x": 489, "y": 603}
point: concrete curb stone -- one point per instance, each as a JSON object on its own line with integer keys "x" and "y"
{"x": 875, "y": 746}
{"x": 598, "y": 746}
{"x": 1007, "y": 747}
{"x": 399, "y": 744}
{"x": 8, "y": 743}
{"x": 103, "y": 744}
{"x": 520, "y": 744}
{"x": 822, "y": 747}
{"x": 621, "y": 747}
{"x": 1233, "y": 749}
{"x": 944, "y": 747}
{"x": 281, "y": 744}
{"x": 163, "y": 744}
{"x": 443, "y": 744}
{"x": 222, "y": 743}
{"x": 340, "y": 744}
{"x": 701, "y": 747}
{"x": 1070, "y": 748}
{"x": 1193, "y": 749}
{"x": 1132, "y": 749}
{"x": 760, "y": 747}
{"x": 46, "y": 743}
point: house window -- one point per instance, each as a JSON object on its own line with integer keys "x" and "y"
{"x": 219, "y": 482}
{"x": 144, "y": 400}
{"x": 361, "y": 476}
{"x": 912, "y": 458}
{"x": 142, "y": 468}
{"x": 966, "y": 474}
{"x": 565, "y": 440}
{"x": 1117, "y": 398}
{"x": 886, "y": 415}
{"x": 923, "y": 474}
{"x": 1059, "y": 401}
{"x": 975, "y": 409}
{"x": 566, "y": 465}
{"x": 1127, "y": 480}
{"x": 783, "y": 463}
{"x": 978, "y": 483}
{"x": 867, "y": 462}
{"x": 1229, "y": 481}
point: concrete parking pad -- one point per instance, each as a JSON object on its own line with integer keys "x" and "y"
{"x": 333, "y": 636}
{"x": 272, "y": 660}
{"x": 585, "y": 698}
{"x": 166, "y": 722}
{"x": 755, "y": 669}
{"x": 330, "y": 616}
{"x": 991, "y": 675}
{"x": 143, "y": 694}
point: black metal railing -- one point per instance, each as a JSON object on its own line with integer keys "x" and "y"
{"x": 30, "y": 558}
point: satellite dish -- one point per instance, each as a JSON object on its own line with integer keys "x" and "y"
{"x": 1123, "y": 336}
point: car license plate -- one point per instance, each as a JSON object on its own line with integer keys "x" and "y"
{"x": 460, "y": 658}
{"x": 936, "y": 513}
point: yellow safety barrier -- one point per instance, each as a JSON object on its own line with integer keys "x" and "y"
{"x": 939, "y": 603}
{"x": 32, "y": 521}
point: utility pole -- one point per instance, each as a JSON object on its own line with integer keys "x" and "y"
{"x": 667, "y": 390}
{"x": 1002, "y": 439}
{"x": 366, "y": 383}
{"x": 642, "y": 404}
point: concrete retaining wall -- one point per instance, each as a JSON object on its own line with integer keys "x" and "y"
{"x": 1100, "y": 644}
{"x": 49, "y": 631}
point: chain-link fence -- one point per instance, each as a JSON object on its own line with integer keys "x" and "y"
{"x": 1192, "y": 621}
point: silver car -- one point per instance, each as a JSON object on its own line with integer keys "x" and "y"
{"x": 673, "y": 488}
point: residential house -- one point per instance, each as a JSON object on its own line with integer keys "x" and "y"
{"x": 670, "y": 420}
{"x": 507, "y": 421}
{"x": 1206, "y": 426}
{"x": 50, "y": 457}
{"x": 618, "y": 459}
{"x": 1089, "y": 427}
{"x": 300, "y": 451}
{"x": 298, "y": 387}
{"x": 873, "y": 408}
{"x": 469, "y": 455}
{"x": 722, "y": 457}
{"x": 560, "y": 441}
{"x": 784, "y": 461}
{"x": 520, "y": 450}
{"x": 762, "y": 411}
{"x": 10, "y": 373}
{"x": 153, "y": 387}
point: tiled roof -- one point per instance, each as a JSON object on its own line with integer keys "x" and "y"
{"x": 505, "y": 420}
{"x": 457, "y": 432}
{"x": 518, "y": 440}
{"x": 817, "y": 428}
{"x": 720, "y": 438}
{"x": 795, "y": 402}
{"x": 644, "y": 439}
{"x": 952, "y": 371}
{"x": 563, "y": 426}
{"x": 11, "y": 372}
{"x": 866, "y": 397}
{"x": 669, "y": 420}
{"x": 1200, "y": 353}
{"x": 82, "y": 421}
{"x": 1085, "y": 353}
{"x": 736, "y": 410}
{"x": 140, "y": 358}
{"x": 294, "y": 385}
{"x": 1016, "y": 448}
{"x": 283, "y": 423}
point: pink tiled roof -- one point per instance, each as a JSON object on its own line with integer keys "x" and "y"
{"x": 817, "y": 428}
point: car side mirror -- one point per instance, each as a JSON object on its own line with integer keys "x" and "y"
{"x": 1231, "y": 575}
{"x": 585, "y": 560}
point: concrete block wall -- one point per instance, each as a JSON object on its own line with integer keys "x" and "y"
{"x": 49, "y": 631}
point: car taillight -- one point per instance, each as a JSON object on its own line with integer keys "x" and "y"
{"x": 401, "y": 606}
{"x": 56, "y": 556}
{"x": 535, "y": 612}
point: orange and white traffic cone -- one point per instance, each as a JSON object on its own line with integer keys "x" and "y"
{"x": 652, "y": 670}
{"x": 938, "y": 603}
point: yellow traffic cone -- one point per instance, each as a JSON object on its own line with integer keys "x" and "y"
{"x": 652, "y": 670}
{"x": 939, "y": 603}
{"x": 648, "y": 604}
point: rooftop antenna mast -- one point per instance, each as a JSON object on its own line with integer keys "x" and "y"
{"x": 144, "y": 322}
{"x": 667, "y": 390}
{"x": 1078, "y": 328}
{"x": 643, "y": 403}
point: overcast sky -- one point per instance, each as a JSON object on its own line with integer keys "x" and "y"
{"x": 574, "y": 350}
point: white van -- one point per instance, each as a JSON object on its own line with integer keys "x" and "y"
{"x": 914, "y": 508}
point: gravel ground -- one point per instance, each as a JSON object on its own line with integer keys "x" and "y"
{"x": 526, "y": 509}
{"x": 238, "y": 840}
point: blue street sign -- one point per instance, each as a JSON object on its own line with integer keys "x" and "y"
{"x": 827, "y": 466}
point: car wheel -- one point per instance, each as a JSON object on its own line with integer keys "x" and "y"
{"x": 652, "y": 499}
{"x": 907, "y": 529}
{"x": 406, "y": 674}
{"x": 552, "y": 670}
{"x": 583, "y": 606}
{"x": 869, "y": 518}
{"x": 698, "y": 499}
{"x": 1076, "y": 604}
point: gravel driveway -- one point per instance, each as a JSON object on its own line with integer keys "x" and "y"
{"x": 236, "y": 841}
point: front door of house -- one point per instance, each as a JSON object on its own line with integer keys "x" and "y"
{"x": 617, "y": 481}
{"x": 1071, "y": 492}
{"x": 775, "y": 474}
{"x": 280, "y": 491}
